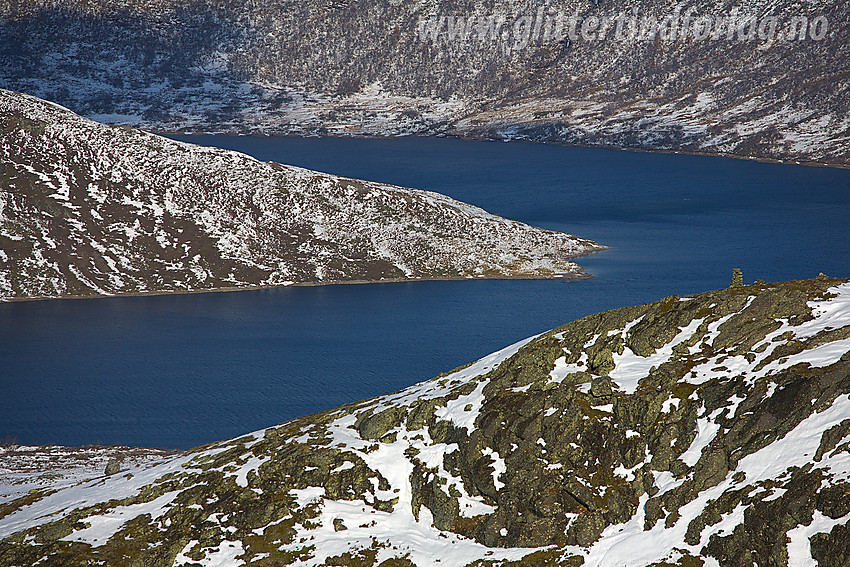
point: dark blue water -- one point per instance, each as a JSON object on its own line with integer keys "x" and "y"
{"x": 177, "y": 371}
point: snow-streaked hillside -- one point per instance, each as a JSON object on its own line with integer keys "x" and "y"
{"x": 25, "y": 468}
{"x": 87, "y": 208}
{"x": 365, "y": 67}
{"x": 704, "y": 430}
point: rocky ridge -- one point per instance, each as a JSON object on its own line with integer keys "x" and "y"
{"x": 361, "y": 67}
{"x": 706, "y": 430}
{"x": 89, "y": 209}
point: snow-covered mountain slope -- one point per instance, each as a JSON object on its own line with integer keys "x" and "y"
{"x": 386, "y": 67}
{"x": 87, "y": 208}
{"x": 24, "y": 468}
{"x": 704, "y": 430}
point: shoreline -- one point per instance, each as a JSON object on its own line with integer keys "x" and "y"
{"x": 466, "y": 137}
{"x": 571, "y": 277}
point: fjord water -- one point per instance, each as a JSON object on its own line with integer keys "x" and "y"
{"x": 181, "y": 370}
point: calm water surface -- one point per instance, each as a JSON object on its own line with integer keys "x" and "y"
{"x": 178, "y": 371}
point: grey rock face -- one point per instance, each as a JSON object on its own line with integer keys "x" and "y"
{"x": 112, "y": 467}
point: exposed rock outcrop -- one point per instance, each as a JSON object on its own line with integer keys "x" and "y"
{"x": 702, "y": 430}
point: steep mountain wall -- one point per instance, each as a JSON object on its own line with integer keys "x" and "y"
{"x": 387, "y": 67}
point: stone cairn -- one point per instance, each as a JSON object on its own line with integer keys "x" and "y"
{"x": 737, "y": 278}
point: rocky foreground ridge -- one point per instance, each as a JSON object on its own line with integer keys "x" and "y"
{"x": 89, "y": 209}
{"x": 385, "y": 67}
{"x": 705, "y": 430}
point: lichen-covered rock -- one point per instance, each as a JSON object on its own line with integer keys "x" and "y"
{"x": 112, "y": 467}
{"x": 695, "y": 431}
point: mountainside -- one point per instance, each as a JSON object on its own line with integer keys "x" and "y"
{"x": 504, "y": 70}
{"x": 92, "y": 209}
{"x": 704, "y": 430}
